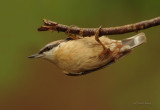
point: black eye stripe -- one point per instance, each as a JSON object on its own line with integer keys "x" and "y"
{"x": 55, "y": 44}
{"x": 48, "y": 48}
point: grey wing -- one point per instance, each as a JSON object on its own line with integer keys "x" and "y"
{"x": 135, "y": 41}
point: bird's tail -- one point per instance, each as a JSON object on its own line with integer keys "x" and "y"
{"x": 135, "y": 41}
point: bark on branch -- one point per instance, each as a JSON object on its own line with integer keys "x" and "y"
{"x": 53, "y": 26}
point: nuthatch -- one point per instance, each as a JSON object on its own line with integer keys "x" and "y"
{"x": 84, "y": 55}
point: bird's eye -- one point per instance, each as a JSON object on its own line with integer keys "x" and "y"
{"x": 46, "y": 49}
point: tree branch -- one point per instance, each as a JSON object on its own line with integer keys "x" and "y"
{"x": 53, "y": 26}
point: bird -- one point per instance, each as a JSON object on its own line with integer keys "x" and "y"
{"x": 80, "y": 56}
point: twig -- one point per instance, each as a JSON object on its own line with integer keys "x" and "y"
{"x": 53, "y": 26}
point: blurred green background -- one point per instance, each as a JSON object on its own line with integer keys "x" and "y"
{"x": 27, "y": 84}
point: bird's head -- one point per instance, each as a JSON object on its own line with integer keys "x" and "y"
{"x": 48, "y": 50}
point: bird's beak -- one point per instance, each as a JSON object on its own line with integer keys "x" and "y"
{"x": 35, "y": 56}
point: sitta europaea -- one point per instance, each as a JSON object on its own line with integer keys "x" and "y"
{"x": 84, "y": 55}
